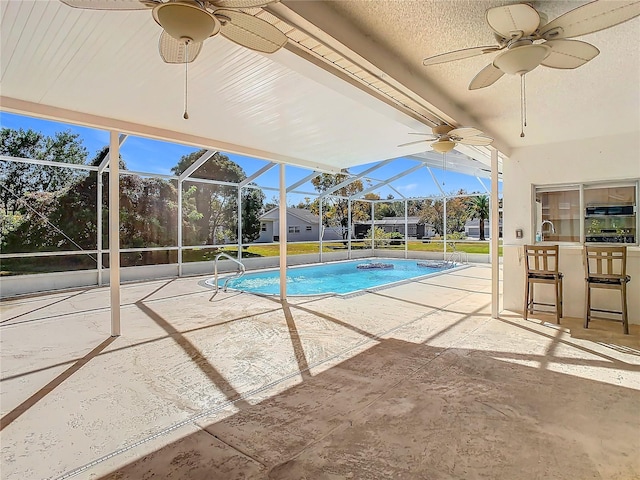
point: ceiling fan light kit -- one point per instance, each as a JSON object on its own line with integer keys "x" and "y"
{"x": 521, "y": 60}
{"x": 443, "y": 146}
{"x": 186, "y": 21}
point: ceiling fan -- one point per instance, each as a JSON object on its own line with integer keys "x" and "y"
{"x": 186, "y": 24}
{"x": 526, "y": 41}
{"x": 446, "y": 137}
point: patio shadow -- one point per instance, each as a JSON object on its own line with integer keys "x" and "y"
{"x": 405, "y": 410}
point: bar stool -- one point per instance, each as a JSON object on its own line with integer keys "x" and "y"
{"x": 541, "y": 264}
{"x": 606, "y": 267}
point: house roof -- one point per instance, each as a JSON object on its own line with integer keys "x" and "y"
{"x": 305, "y": 215}
{"x": 393, "y": 221}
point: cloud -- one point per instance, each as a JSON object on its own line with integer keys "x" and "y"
{"x": 407, "y": 188}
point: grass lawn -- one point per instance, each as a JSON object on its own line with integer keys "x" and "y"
{"x": 302, "y": 248}
{"x": 30, "y": 265}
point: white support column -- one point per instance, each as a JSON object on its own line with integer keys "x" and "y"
{"x": 495, "y": 232}
{"x": 99, "y": 226}
{"x": 99, "y": 213}
{"x": 444, "y": 226}
{"x": 283, "y": 234}
{"x": 320, "y": 227}
{"x": 406, "y": 230}
{"x": 180, "y": 228}
{"x": 239, "y": 223}
{"x": 373, "y": 228}
{"x": 349, "y": 228}
{"x": 114, "y": 232}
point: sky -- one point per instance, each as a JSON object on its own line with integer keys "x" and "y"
{"x": 154, "y": 156}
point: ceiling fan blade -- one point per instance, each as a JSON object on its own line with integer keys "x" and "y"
{"x": 479, "y": 140}
{"x": 485, "y": 77}
{"x": 413, "y": 143}
{"x": 569, "y": 53}
{"x": 512, "y": 19}
{"x": 174, "y": 51}
{"x": 463, "y": 132}
{"x": 112, "y": 4}
{"x": 249, "y": 31}
{"x": 240, "y": 3}
{"x": 428, "y": 136}
{"x": 459, "y": 55}
{"x": 589, "y": 18}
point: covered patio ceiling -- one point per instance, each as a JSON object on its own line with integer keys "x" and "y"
{"x": 348, "y": 88}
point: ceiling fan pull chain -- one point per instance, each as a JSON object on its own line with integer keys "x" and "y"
{"x": 444, "y": 166}
{"x": 186, "y": 79}
{"x": 524, "y": 96}
{"x": 523, "y": 121}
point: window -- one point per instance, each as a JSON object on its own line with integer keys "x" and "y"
{"x": 263, "y": 227}
{"x": 610, "y": 214}
{"x": 595, "y": 212}
{"x": 558, "y": 215}
{"x": 308, "y": 229}
{"x": 294, "y": 229}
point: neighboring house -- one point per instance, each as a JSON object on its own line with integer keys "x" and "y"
{"x": 302, "y": 226}
{"x": 415, "y": 227}
{"x": 472, "y": 228}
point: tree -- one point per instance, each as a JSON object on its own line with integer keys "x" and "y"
{"x": 274, "y": 202}
{"x": 457, "y": 212}
{"x": 432, "y": 213}
{"x": 31, "y": 193}
{"x": 304, "y": 204}
{"x": 218, "y": 204}
{"x": 478, "y": 207}
{"x": 335, "y": 209}
{"x": 252, "y": 205}
{"x": 380, "y": 237}
{"x": 19, "y": 178}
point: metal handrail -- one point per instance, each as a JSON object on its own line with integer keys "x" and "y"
{"x": 240, "y": 273}
{"x": 456, "y": 255}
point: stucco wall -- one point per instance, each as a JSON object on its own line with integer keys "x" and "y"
{"x": 600, "y": 159}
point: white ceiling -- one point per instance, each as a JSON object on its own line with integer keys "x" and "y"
{"x": 103, "y": 69}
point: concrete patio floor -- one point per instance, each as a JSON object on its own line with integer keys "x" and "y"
{"x": 414, "y": 381}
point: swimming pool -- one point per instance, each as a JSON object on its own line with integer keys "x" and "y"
{"x": 337, "y": 277}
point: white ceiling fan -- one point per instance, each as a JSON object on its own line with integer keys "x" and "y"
{"x": 446, "y": 137}
{"x": 186, "y": 24}
{"x": 526, "y": 41}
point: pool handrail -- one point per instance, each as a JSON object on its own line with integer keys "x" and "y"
{"x": 456, "y": 256}
{"x": 239, "y": 274}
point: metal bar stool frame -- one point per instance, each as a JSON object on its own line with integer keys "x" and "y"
{"x": 541, "y": 266}
{"x": 606, "y": 267}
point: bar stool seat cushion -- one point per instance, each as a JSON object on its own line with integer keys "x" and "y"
{"x": 609, "y": 279}
{"x": 546, "y": 276}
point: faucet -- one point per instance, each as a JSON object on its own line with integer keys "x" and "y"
{"x": 553, "y": 229}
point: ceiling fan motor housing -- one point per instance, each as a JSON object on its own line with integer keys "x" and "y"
{"x": 441, "y": 129}
{"x": 186, "y": 21}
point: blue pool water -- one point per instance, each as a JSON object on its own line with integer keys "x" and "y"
{"x": 339, "y": 277}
